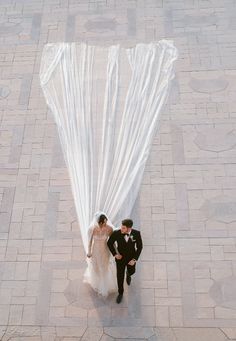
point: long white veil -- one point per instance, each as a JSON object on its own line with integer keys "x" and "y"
{"x": 106, "y": 102}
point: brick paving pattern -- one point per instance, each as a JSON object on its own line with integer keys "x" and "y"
{"x": 185, "y": 287}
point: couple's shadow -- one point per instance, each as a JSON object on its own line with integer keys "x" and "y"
{"x": 104, "y": 311}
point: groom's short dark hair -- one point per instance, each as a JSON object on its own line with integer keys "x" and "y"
{"x": 127, "y": 222}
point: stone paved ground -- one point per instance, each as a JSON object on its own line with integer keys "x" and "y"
{"x": 186, "y": 285}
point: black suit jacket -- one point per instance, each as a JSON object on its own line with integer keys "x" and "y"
{"x": 129, "y": 250}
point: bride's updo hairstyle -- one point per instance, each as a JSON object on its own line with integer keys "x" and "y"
{"x": 101, "y": 219}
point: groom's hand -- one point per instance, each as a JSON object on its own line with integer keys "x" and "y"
{"x": 118, "y": 256}
{"x": 132, "y": 262}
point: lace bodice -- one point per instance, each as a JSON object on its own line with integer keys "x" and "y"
{"x": 101, "y": 236}
{"x": 97, "y": 233}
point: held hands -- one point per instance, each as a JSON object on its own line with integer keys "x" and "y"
{"x": 132, "y": 262}
{"x": 118, "y": 257}
{"x": 89, "y": 255}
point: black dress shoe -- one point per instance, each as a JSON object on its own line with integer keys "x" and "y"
{"x": 128, "y": 279}
{"x": 119, "y": 298}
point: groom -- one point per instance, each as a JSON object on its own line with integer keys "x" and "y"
{"x": 126, "y": 252}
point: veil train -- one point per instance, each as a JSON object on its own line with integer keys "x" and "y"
{"x": 106, "y": 102}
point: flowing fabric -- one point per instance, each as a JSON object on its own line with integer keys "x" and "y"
{"x": 101, "y": 269}
{"x": 106, "y": 102}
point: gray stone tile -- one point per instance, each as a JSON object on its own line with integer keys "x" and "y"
{"x": 209, "y": 85}
{"x": 2, "y": 331}
{"x": 92, "y": 334}
{"x": 70, "y": 28}
{"x": 222, "y": 209}
{"x": 7, "y": 200}
{"x": 122, "y": 316}
{"x": 154, "y": 338}
{"x": 177, "y": 144}
{"x": 25, "y": 90}
{"x": 147, "y": 297}
{"x": 70, "y": 332}
{"x": 132, "y": 332}
{"x": 8, "y": 29}
{"x": 204, "y": 334}
{"x": 223, "y": 292}
{"x": 15, "y": 155}
{"x": 18, "y": 134}
{"x": 165, "y": 334}
{"x": 42, "y": 309}
{"x": 36, "y": 25}
{"x": 4, "y": 91}
{"x": 182, "y": 207}
{"x": 106, "y": 338}
{"x": 131, "y": 17}
{"x": 57, "y": 156}
{"x": 101, "y": 25}
{"x": 174, "y": 96}
{"x": 216, "y": 139}
{"x": 135, "y": 339}
{"x": 5, "y": 218}
{"x": 200, "y": 20}
{"x": 50, "y": 229}
{"x": 43, "y": 303}
{"x": 15, "y": 317}
{"x": 168, "y": 22}
{"x": 4, "y": 314}
{"x": 82, "y": 295}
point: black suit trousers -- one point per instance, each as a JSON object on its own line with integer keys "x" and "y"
{"x": 121, "y": 265}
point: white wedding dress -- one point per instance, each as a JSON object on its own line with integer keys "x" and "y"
{"x": 101, "y": 271}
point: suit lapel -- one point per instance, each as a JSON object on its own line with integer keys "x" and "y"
{"x": 122, "y": 240}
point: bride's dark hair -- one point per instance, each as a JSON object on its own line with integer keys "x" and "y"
{"x": 102, "y": 219}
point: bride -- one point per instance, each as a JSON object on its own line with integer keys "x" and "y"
{"x": 100, "y": 273}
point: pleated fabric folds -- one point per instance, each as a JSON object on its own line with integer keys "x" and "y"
{"x": 106, "y": 103}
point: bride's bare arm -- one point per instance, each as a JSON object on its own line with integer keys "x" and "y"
{"x": 109, "y": 230}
